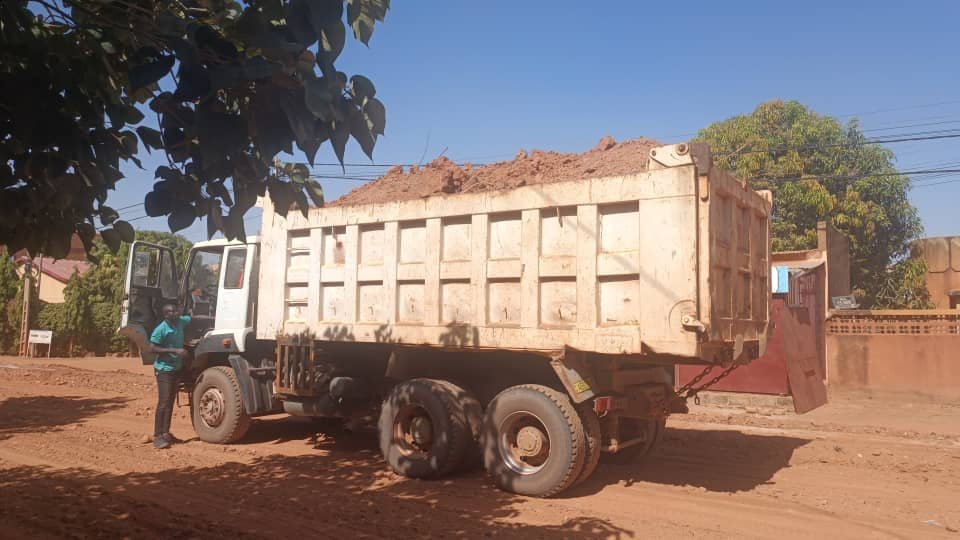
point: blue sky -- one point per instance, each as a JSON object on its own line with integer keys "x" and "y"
{"x": 480, "y": 80}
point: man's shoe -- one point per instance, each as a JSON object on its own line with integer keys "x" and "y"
{"x": 160, "y": 442}
{"x": 171, "y": 439}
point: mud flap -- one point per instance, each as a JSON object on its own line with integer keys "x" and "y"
{"x": 803, "y": 362}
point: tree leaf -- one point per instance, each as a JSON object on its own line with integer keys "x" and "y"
{"x": 183, "y": 216}
{"x": 298, "y": 22}
{"x": 332, "y": 39}
{"x": 127, "y": 234}
{"x": 361, "y": 133}
{"x": 376, "y": 116}
{"x": 339, "y": 138}
{"x": 108, "y": 215}
{"x": 282, "y": 194}
{"x": 301, "y": 200}
{"x": 300, "y": 173}
{"x": 150, "y": 137}
{"x": 217, "y": 189}
{"x": 362, "y": 89}
{"x": 214, "y": 220}
{"x": 158, "y": 203}
{"x": 259, "y": 68}
{"x": 112, "y": 239}
{"x": 150, "y": 72}
{"x": 318, "y": 98}
{"x": 315, "y": 191}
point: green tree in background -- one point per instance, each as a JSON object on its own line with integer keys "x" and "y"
{"x": 10, "y": 302}
{"x": 819, "y": 169}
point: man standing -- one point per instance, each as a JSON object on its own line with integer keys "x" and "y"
{"x": 167, "y": 342}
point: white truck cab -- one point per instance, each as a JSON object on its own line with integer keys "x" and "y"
{"x": 218, "y": 289}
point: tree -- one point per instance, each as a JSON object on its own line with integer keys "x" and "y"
{"x": 229, "y": 84}
{"x": 819, "y": 169}
{"x": 11, "y": 299}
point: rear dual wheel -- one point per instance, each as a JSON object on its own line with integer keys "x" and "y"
{"x": 535, "y": 443}
{"x": 428, "y": 427}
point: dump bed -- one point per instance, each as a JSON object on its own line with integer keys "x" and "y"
{"x": 670, "y": 262}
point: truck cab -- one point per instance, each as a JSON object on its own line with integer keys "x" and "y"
{"x": 218, "y": 289}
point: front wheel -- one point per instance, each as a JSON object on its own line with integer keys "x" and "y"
{"x": 217, "y": 407}
{"x": 533, "y": 441}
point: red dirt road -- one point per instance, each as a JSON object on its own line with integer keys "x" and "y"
{"x": 72, "y": 465}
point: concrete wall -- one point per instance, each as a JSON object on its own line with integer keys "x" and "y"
{"x": 943, "y": 268}
{"x": 51, "y": 290}
{"x": 921, "y": 364}
{"x": 837, "y": 248}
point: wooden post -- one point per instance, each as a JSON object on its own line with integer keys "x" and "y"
{"x": 25, "y": 314}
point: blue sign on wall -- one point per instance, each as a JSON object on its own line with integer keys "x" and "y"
{"x": 779, "y": 279}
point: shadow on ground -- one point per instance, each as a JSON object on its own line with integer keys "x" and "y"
{"x": 724, "y": 461}
{"x": 342, "y": 491}
{"x": 33, "y": 414}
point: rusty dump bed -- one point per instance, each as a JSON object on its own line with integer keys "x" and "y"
{"x": 670, "y": 262}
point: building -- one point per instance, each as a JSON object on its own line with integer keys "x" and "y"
{"x": 52, "y": 276}
{"x": 942, "y": 255}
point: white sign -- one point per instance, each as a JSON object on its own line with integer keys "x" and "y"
{"x": 41, "y": 336}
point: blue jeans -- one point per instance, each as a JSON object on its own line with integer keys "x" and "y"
{"x": 167, "y": 384}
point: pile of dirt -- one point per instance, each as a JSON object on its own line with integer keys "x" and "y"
{"x": 442, "y": 176}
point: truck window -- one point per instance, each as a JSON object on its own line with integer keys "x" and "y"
{"x": 168, "y": 283}
{"x": 202, "y": 282}
{"x": 236, "y": 261}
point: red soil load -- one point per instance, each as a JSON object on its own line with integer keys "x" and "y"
{"x": 443, "y": 176}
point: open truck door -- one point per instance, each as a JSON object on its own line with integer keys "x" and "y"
{"x": 150, "y": 283}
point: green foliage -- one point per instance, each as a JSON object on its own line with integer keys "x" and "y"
{"x": 11, "y": 287}
{"x": 820, "y": 170}
{"x": 251, "y": 79}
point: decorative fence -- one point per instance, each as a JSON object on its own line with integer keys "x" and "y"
{"x": 893, "y": 322}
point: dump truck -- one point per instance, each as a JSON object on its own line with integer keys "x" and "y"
{"x": 530, "y": 329}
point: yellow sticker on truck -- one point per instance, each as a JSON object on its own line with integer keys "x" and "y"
{"x": 581, "y": 386}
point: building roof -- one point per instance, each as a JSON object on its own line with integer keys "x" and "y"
{"x": 61, "y": 270}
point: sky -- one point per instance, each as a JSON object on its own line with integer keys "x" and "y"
{"x": 477, "y": 81}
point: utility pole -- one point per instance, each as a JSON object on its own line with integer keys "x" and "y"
{"x": 25, "y": 314}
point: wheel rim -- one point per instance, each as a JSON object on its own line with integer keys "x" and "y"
{"x": 212, "y": 407}
{"x": 413, "y": 431}
{"x": 524, "y": 443}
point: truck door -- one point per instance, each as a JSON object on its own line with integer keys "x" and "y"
{"x": 234, "y": 290}
{"x": 151, "y": 282}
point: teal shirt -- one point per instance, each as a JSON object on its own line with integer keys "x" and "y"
{"x": 169, "y": 337}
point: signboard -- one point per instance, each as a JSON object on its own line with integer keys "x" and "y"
{"x": 41, "y": 336}
{"x": 845, "y": 302}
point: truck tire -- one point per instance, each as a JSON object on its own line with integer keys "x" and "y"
{"x": 594, "y": 436}
{"x": 631, "y": 427}
{"x": 533, "y": 441}
{"x": 217, "y": 407}
{"x": 423, "y": 429}
{"x": 473, "y": 412}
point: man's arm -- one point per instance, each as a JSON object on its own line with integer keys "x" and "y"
{"x": 157, "y": 347}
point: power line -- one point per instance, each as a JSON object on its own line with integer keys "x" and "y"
{"x": 891, "y": 139}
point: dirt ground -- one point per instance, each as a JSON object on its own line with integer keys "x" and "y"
{"x": 73, "y": 464}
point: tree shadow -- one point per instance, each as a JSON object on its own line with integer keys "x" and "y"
{"x": 725, "y": 461}
{"x": 32, "y": 414}
{"x": 339, "y": 491}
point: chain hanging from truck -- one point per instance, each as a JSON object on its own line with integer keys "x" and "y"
{"x": 690, "y": 390}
